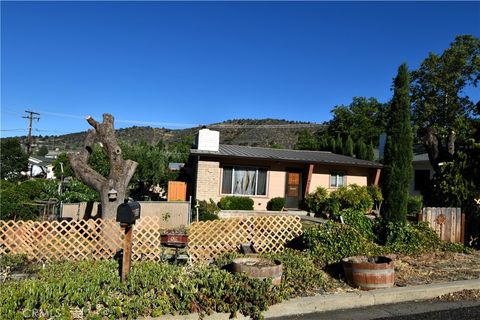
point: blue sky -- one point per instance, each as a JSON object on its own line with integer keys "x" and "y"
{"x": 177, "y": 64}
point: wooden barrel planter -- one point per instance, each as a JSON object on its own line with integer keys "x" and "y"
{"x": 259, "y": 268}
{"x": 369, "y": 273}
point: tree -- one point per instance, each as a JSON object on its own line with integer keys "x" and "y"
{"x": 362, "y": 119}
{"x": 120, "y": 170}
{"x": 361, "y": 149}
{"x": 348, "y": 147}
{"x": 442, "y": 112}
{"x": 306, "y": 141}
{"x": 13, "y": 160}
{"x": 397, "y": 170}
{"x": 338, "y": 145}
{"x": 370, "y": 152}
{"x": 43, "y": 151}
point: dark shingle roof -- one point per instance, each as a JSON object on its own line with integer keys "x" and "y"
{"x": 229, "y": 151}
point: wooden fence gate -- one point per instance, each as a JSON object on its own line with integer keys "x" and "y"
{"x": 448, "y": 223}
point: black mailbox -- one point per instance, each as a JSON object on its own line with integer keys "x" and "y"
{"x": 128, "y": 212}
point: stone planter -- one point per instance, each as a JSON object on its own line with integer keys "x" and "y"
{"x": 369, "y": 273}
{"x": 259, "y": 268}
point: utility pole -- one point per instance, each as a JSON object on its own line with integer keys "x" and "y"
{"x": 30, "y": 117}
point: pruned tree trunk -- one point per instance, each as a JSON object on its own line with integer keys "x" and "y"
{"x": 437, "y": 152}
{"x": 121, "y": 171}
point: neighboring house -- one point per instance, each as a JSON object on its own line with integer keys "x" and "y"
{"x": 264, "y": 173}
{"x": 40, "y": 167}
{"x": 422, "y": 173}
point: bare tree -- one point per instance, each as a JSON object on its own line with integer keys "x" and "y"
{"x": 121, "y": 171}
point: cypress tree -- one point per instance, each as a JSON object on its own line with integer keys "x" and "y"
{"x": 348, "y": 147}
{"x": 370, "y": 152}
{"x": 338, "y": 145}
{"x": 331, "y": 144}
{"x": 361, "y": 149}
{"x": 397, "y": 170}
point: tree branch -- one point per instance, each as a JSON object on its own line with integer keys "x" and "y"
{"x": 85, "y": 173}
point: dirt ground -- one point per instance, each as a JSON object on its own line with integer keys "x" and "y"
{"x": 438, "y": 267}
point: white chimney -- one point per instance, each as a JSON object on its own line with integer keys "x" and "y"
{"x": 208, "y": 140}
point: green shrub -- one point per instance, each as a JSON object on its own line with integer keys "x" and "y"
{"x": 330, "y": 242}
{"x": 353, "y": 196}
{"x": 235, "y": 203}
{"x": 300, "y": 274}
{"x": 207, "y": 210}
{"x": 409, "y": 239}
{"x": 317, "y": 201}
{"x": 358, "y": 220}
{"x": 414, "y": 205}
{"x": 13, "y": 261}
{"x": 152, "y": 289}
{"x": 276, "y": 204}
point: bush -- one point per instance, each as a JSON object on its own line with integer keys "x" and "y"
{"x": 353, "y": 196}
{"x": 317, "y": 201}
{"x": 14, "y": 202}
{"x": 300, "y": 274}
{"x": 358, "y": 220}
{"x": 152, "y": 289}
{"x": 408, "y": 239}
{"x": 414, "y": 205}
{"x": 235, "y": 203}
{"x": 207, "y": 210}
{"x": 276, "y": 204}
{"x": 330, "y": 242}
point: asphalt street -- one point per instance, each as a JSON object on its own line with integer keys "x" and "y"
{"x": 419, "y": 310}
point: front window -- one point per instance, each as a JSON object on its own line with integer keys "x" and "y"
{"x": 337, "y": 179}
{"x": 244, "y": 181}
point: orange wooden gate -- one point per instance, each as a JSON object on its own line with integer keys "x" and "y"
{"x": 177, "y": 191}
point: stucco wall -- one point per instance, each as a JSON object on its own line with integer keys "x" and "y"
{"x": 354, "y": 175}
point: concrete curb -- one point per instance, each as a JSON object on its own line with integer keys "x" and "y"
{"x": 350, "y": 300}
{"x": 367, "y": 298}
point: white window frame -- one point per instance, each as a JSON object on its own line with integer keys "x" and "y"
{"x": 256, "y": 181}
{"x": 338, "y": 174}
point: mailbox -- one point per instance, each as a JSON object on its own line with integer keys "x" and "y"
{"x": 128, "y": 212}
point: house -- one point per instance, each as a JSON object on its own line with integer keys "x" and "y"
{"x": 422, "y": 173}
{"x": 219, "y": 170}
{"x": 40, "y": 167}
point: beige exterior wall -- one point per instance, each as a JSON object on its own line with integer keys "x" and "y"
{"x": 210, "y": 173}
{"x": 354, "y": 175}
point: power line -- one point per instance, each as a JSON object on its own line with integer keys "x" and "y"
{"x": 30, "y": 117}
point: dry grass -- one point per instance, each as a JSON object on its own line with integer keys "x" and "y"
{"x": 438, "y": 267}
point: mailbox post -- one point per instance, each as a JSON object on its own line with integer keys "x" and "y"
{"x": 127, "y": 214}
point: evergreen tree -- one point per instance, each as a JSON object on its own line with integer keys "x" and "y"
{"x": 348, "y": 147}
{"x": 361, "y": 149}
{"x": 397, "y": 170}
{"x": 331, "y": 144}
{"x": 370, "y": 152}
{"x": 338, "y": 148}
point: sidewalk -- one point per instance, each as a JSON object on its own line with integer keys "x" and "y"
{"x": 330, "y": 302}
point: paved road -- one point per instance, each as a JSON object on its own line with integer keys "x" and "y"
{"x": 423, "y": 310}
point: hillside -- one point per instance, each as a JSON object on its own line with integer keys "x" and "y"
{"x": 247, "y": 132}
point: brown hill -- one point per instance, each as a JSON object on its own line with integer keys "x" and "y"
{"x": 248, "y": 132}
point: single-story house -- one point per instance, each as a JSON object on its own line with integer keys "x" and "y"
{"x": 40, "y": 167}
{"x": 219, "y": 170}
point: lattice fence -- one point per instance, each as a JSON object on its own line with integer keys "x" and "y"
{"x": 100, "y": 239}
{"x": 209, "y": 239}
